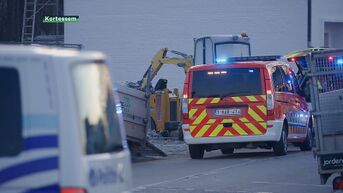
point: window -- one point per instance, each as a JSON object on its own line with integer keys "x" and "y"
{"x": 288, "y": 80}
{"x": 97, "y": 109}
{"x": 282, "y": 81}
{"x": 277, "y": 79}
{"x": 227, "y": 50}
{"x": 296, "y": 84}
{"x": 203, "y": 51}
{"x": 226, "y": 82}
{"x": 10, "y": 113}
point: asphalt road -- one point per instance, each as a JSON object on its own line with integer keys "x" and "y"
{"x": 248, "y": 171}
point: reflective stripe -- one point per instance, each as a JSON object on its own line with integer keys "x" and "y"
{"x": 252, "y": 123}
{"x": 252, "y": 98}
{"x": 202, "y": 131}
{"x": 262, "y": 108}
{"x": 264, "y": 97}
{"x": 228, "y": 133}
{"x": 216, "y": 130}
{"x": 297, "y": 124}
{"x": 237, "y": 99}
{"x": 253, "y": 128}
{"x": 227, "y": 121}
{"x": 201, "y": 101}
{"x": 244, "y": 120}
{"x": 254, "y": 115}
{"x": 191, "y": 128}
{"x": 211, "y": 121}
{"x": 263, "y": 124}
{"x": 239, "y": 129}
{"x": 215, "y": 100}
{"x": 200, "y": 117}
{"x": 191, "y": 112}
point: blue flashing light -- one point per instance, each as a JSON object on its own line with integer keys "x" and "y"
{"x": 247, "y": 58}
{"x": 251, "y": 70}
{"x": 221, "y": 60}
{"x": 340, "y": 61}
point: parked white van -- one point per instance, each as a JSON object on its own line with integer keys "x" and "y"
{"x": 59, "y": 129}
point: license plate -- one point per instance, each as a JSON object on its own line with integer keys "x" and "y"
{"x": 227, "y": 112}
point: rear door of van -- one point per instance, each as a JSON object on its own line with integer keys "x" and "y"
{"x": 28, "y": 127}
{"x": 228, "y": 101}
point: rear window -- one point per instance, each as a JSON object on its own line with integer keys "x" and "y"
{"x": 96, "y": 107}
{"x": 10, "y": 113}
{"x": 226, "y": 82}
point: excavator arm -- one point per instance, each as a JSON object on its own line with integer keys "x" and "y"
{"x": 161, "y": 58}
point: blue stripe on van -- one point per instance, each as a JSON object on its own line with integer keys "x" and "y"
{"x": 27, "y": 168}
{"x": 41, "y": 121}
{"x": 38, "y": 142}
{"x": 54, "y": 188}
{"x": 297, "y": 124}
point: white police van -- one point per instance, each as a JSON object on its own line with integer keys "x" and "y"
{"x": 59, "y": 130}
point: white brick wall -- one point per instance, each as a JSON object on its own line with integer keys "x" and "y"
{"x": 130, "y": 32}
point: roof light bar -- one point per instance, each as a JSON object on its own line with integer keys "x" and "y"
{"x": 249, "y": 58}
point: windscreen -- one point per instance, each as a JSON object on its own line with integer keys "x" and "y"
{"x": 227, "y": 50}
{"x": 226, "y": 82}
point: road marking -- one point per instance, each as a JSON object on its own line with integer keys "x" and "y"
{"x": 189, "y": 190}
{"x": 196, "y": 175}
{"x": 217, "y": 170}
{"x": 291, "y": 184}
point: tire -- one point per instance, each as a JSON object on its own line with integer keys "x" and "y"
{"x": 308, "y": 143}
{"x": 196, "y": 151}
{"x": 227, "y": 151}
{"x": 280, "y": 147}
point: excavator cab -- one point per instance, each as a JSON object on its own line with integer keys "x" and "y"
{"x": 220, "y": 48}
{"x": 161, "y": 84}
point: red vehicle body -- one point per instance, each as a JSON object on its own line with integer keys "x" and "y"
{"x": 244, "y": 104}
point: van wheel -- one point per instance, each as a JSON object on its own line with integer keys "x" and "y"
{"x": 308, "y": 143}
{"x": 280, "y": 147}
{"x": 227, "y": 151}
{"x": 196, "y": 151}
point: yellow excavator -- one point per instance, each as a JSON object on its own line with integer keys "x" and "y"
{"x": 165, "y": 105}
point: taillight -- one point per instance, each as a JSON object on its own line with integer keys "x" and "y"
{"x": 338, "y": 183}
{"x": 270, "y": 100}
{"x": 73, "y": 190}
